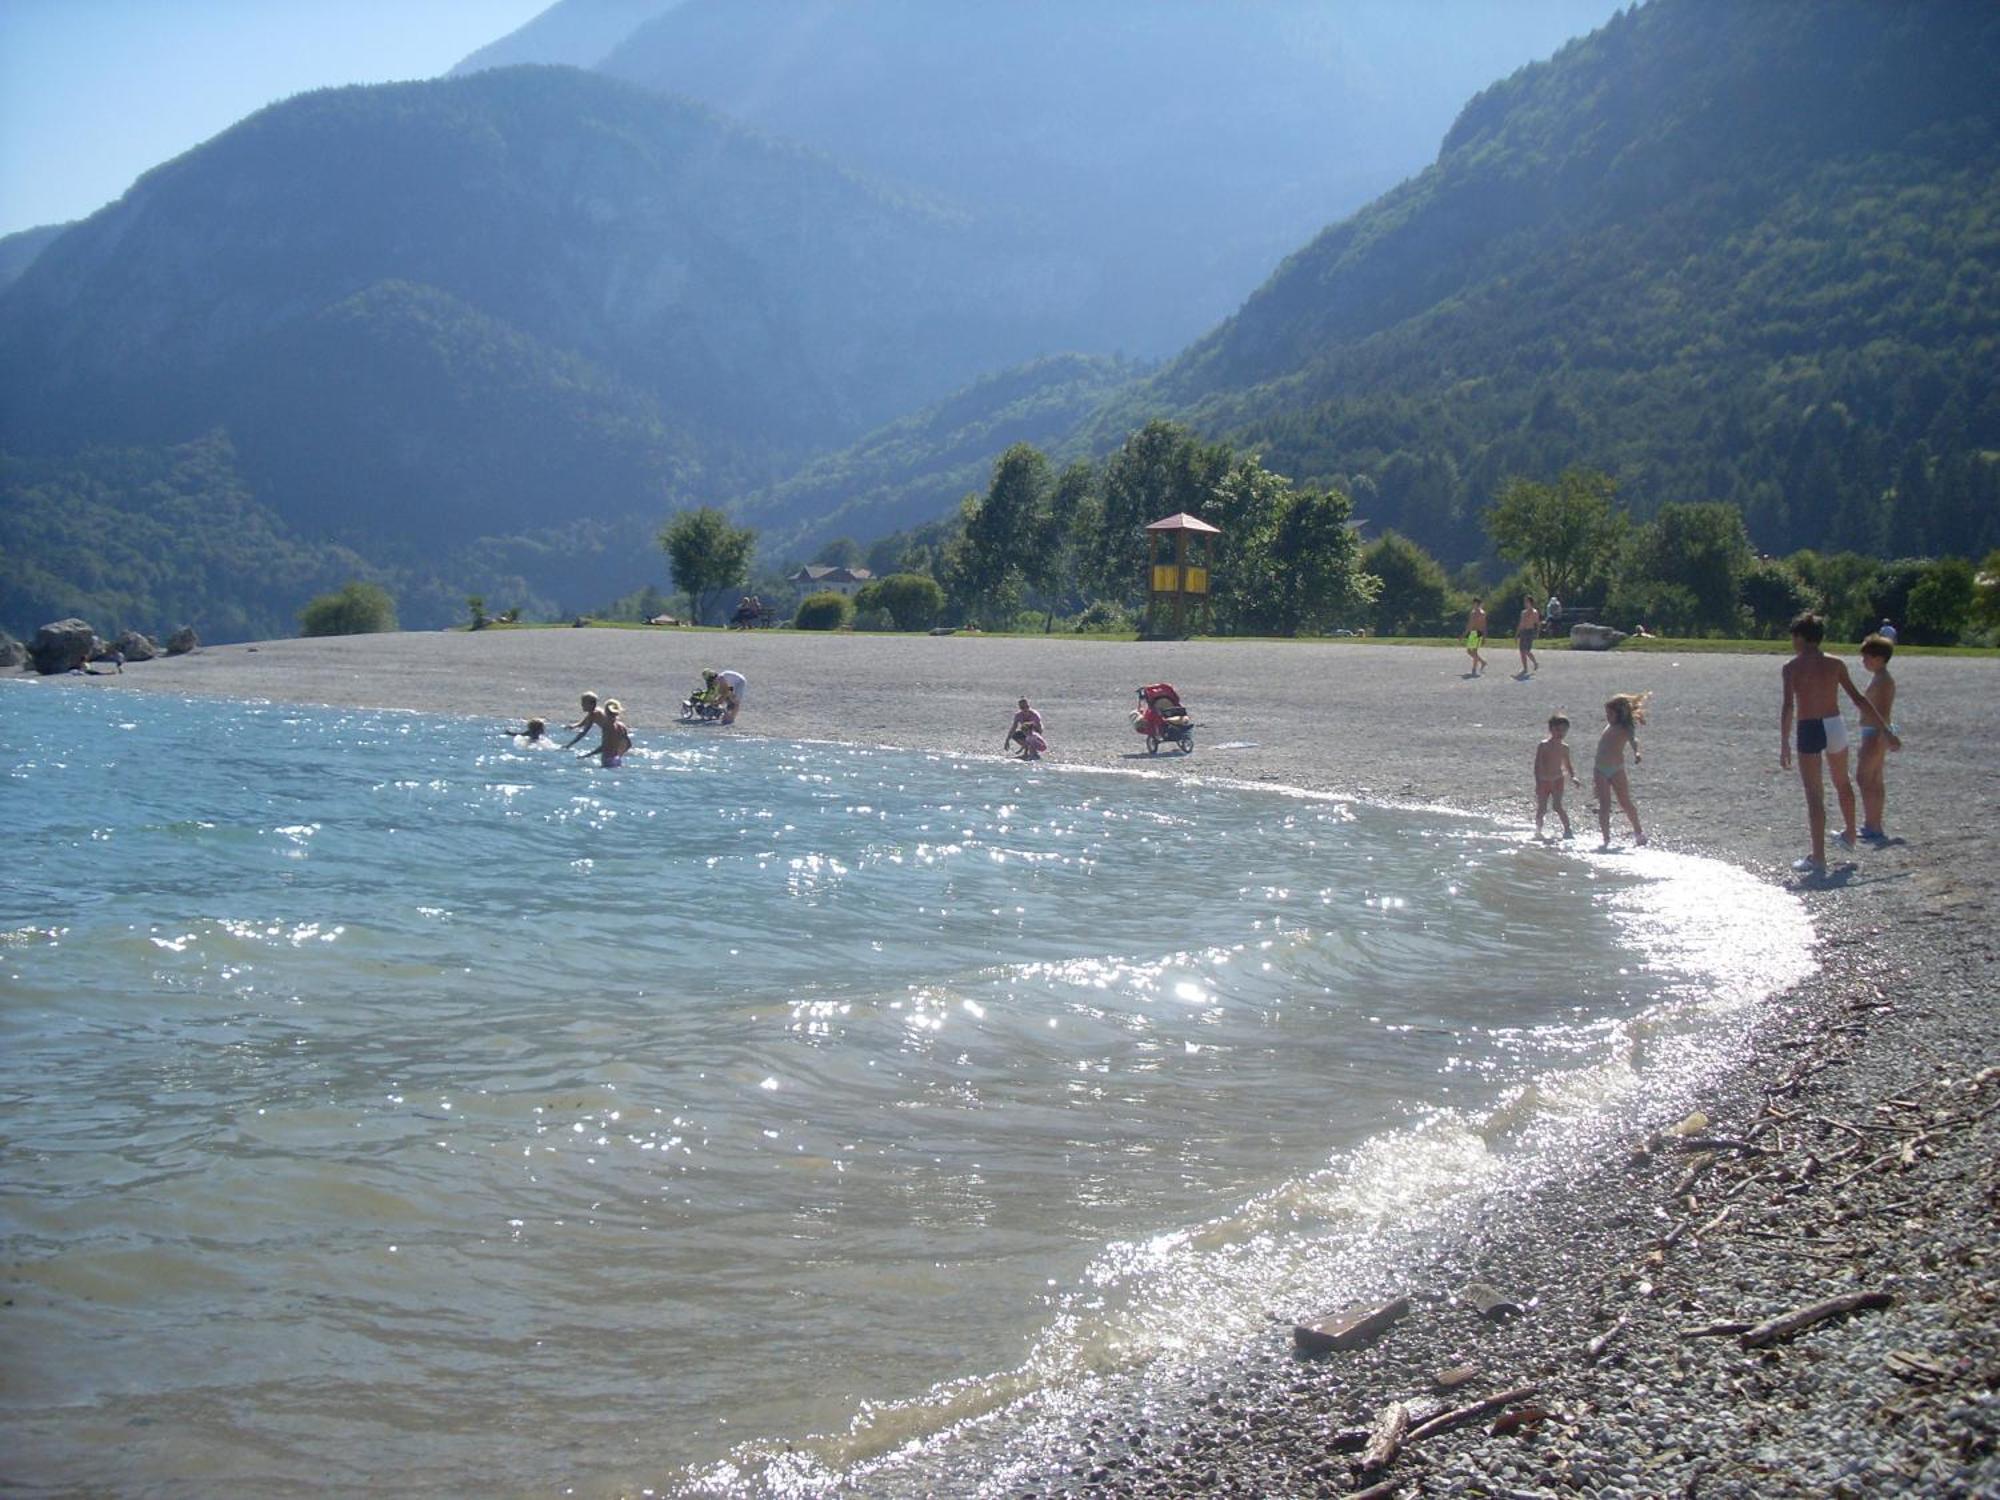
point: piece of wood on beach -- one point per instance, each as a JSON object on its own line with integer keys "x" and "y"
{"x": 1456, "y": 1376}
{"x": 1491, "y": 1301}
{"x": 1350, "y": 1328}
{"x": 1380, "y": 1491}
{"x": 1771, "y": 1330}
{"x": 1595, "y": 1348}
{"x": 1458, "y": 1416}
{"x": 1717, "y": 1330}
{"x": 1385, "y": 1438}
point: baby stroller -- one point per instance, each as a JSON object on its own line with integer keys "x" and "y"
{"x": 1162, "y": 719}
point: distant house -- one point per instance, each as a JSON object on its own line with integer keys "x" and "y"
{"x": 816, "y": 578}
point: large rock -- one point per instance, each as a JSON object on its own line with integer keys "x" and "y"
{"x": 63, "y": 646}
{"x": 135, "y": 647}
{"x": 13, "y": 654}
{"x": 1594, "y": 637}
{"x": 182, "y": 641}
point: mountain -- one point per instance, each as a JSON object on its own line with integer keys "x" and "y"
{"x": 424, "y": 314}
{"x": 916, "y": 469}
{"x": 580, "y": 33}
{"x": 1722, "y": 252}
{"x": 18, "y": 250}
{"x": 1164, "y": 153}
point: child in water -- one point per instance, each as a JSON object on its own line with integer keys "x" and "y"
{"x": 1552, "y": 767}
{"x": 535, "y": 732}
{"x": 593, "y": 718}
{"x": 1623, "y": 714}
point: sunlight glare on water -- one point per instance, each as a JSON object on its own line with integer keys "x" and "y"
{"x": 392, "y": 1106}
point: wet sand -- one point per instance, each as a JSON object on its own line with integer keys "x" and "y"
{"x": 1902, "y": 1015}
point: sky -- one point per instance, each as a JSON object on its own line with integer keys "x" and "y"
{"x": 95, "y": 92}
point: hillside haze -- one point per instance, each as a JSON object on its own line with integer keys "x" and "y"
{"x": 1166, "y": 154}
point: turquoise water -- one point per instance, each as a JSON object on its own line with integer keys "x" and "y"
{"x": 390, "y": 1106}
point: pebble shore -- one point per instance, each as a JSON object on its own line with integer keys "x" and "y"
{"x": 1853, "y": 1147}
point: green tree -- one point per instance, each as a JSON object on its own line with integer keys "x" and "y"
{"x": 1941, "y": 604}
{"x": 1246, "y": 593}
{"x": 1415, "y": 598}
{"x": 707, "y": 554}
{"x": 1161, "y": 470}
{"x": 1773, "y": 594}
{"x": 841, "y": 552}
{"x": 912, "y": 600}
{"x": 1006, "y": 537}
{"x": 358, "y": 609}
{"x": 1317, "y": 559}
{"x": 1986, "y": 592}
{"x": 1703, "y": 549}
{"x": 1565, "y": 533}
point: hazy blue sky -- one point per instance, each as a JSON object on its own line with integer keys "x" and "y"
{"x": 94, "y": 92}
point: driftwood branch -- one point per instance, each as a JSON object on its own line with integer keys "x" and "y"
{"x": 1385, "y": 1441}
{"x": 1801, "y": 1318}
{"x": 1716, "y": 1330}
{"x": 1458, "y": 1416}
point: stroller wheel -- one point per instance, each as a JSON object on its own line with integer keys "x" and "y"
{"x": 1152, "y": 744}
{"x": 1187, "y": 743}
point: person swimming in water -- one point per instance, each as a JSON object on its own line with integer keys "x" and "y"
{"x": 535, "y": 732}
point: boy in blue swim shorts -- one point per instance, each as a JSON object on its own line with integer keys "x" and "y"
{"x": 1812, "y": 685}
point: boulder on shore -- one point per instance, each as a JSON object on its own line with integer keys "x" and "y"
{"x": 182, "y": 641}
{"x": 1594, "y": 637}
{"x": 63, "y": 646}
{"x": 12, "y": 653}
{"x": 135, "y": 647}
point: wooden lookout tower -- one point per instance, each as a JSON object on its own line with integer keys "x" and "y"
{"x": 1184, "y": 579}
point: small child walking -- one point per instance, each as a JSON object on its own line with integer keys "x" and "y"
{"x": 1623, "y": 714}
{"x": 1869, "y": 765}
{"x": 1552, "y": 768}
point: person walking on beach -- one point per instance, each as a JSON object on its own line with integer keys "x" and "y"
{"x": 593, "y": 718}
{"x": 1552, "y": 768}
{"x": 1871, "y": 762}
{"x": 1623, "y": 714}
{"x": 1475, "y": 636}
{"x": 1025, "y": 719}
{"x": 1525, "y": 630}
{"x": 1812, "y": 684}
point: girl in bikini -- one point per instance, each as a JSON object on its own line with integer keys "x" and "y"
{"x": 1623, "y": 714}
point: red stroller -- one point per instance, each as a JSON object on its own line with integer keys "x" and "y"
{"x": 1162, "y": 719}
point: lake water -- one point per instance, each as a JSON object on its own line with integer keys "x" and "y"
{"x": 388, "y": 1107}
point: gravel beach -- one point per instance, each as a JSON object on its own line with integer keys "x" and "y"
{"x": 1855, "y": 1149}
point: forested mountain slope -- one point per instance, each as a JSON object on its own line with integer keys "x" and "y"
{"x": 1164, "y": 153}
{"x": 913, "y": 470}
{"x": 1747, "y": 253}
{"x": 428, "y": 314}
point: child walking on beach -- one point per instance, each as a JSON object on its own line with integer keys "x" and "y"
{"x": 1552, "y": 767}
{"x": 1623, "y": 714}
{"x": 1869, "y": 765}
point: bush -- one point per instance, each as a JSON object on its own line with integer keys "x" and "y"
{"x": 1941, "y": 604}
{"x": 1416, "y": 597}
{"x": 913, "y": 600}
{"x": 874, "y": 620}
{"x": 1105, "y": 617}
{"x": 826, "y": 610}
{"x": 358, "y": 609}
{"x": 1772, "y": 594}
{"x": 1663, "y": 608}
